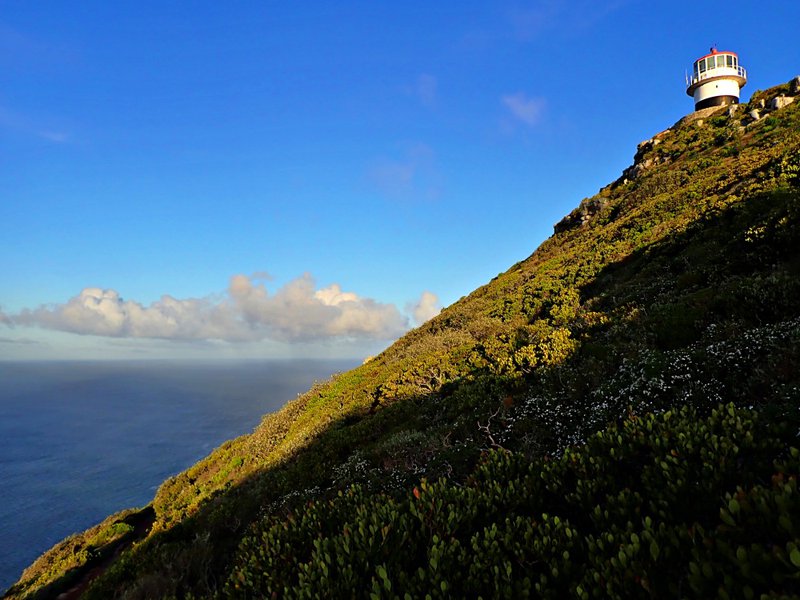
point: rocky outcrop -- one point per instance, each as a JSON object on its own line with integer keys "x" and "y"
{"x": 763, "y": 106}
{"x": 587, "y": 209}
{"x": 646, "y": 159}
{"x": 643, "y": 160}
{"x": 779, "y": 102}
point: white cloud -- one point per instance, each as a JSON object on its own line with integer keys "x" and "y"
{"x": 526, "y": 109}
{"x": 245, "y": 312}
{"x": 425, "y": 308}
{"x": 333, "y": 295}
{"x": 415, "y": 176}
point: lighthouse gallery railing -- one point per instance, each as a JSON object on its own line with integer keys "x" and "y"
{"x": 715, "y": 72}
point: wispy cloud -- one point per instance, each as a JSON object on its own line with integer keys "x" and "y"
{"x": 58, "y": 137}
{"x": 529, "y": 20}
{"x": 245, "y": 312}
{"x": 524, "y": 108}
{"x": 19, "y": 341}
{"x": 41, "y": 128}
{"x": 427, "y": 90}
{"x": 16, "y": 46}
{"x": 21, "y": 51}
{"x": 413, "y": 176}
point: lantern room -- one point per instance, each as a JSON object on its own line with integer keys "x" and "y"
{"x": 716, "y": 79}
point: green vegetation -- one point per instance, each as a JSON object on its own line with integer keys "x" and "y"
{"x": 670, "y": 505}
{"x": 60, "y": 568}
{"x": 675, "y": 292}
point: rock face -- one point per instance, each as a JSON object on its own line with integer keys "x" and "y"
{"x": 644, "y": 159}
{"x": 794, "y": 86}
{"x": 779, "y": 102}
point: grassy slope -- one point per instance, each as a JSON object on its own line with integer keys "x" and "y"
{"x": 681, "y": 289}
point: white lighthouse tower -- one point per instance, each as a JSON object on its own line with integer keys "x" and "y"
{"x": 716, "y": 79}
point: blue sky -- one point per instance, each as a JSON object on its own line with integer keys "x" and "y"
{"x": 253, "y": 179}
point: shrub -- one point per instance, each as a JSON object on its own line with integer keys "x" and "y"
{"x": 661, "y": 505}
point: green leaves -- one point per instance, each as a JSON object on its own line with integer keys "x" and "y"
{"x": 381, "y": 571}
{"x": 794, "y": 556}
{"x": 506, "y": 534}
{"x": 733, "y": 506}
{"x": 654, "y": 550}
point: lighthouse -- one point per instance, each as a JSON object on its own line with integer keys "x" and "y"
{"x": 716, "y": 79}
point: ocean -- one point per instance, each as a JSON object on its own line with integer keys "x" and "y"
{"x": 81, "y": 440}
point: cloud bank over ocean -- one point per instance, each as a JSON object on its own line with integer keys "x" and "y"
{"x": 246, "y": 311}
{"x": 425, "y": 308}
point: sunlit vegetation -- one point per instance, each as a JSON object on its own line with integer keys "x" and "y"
{"x": 465, "y": 460}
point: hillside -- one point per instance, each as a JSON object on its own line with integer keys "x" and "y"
{"x": 466, "y": 459}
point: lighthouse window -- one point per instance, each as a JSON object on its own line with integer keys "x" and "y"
{"x": 702, "y": 64}
{"x": 729, "y": 59}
